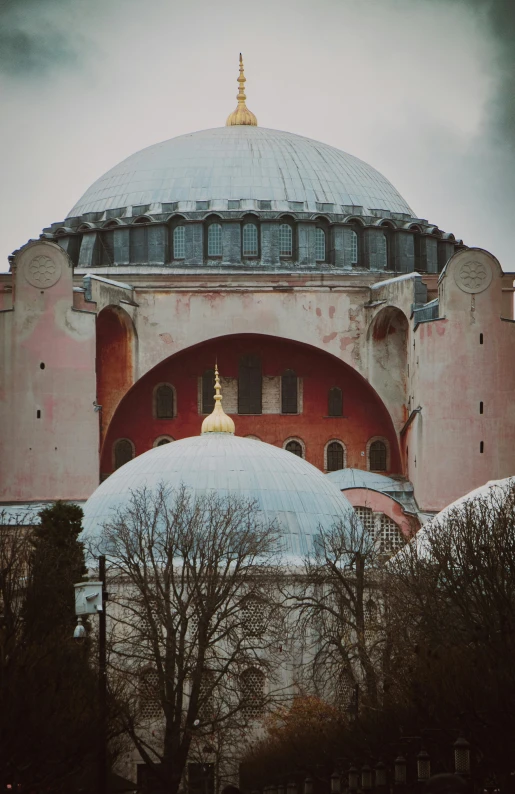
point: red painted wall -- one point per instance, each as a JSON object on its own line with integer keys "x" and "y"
{"x": 364, "y": 413}
{"x": 113, "y": 360}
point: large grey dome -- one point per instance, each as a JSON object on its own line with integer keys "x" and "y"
{"x": 285, "y": 487}
{"x": 242, "y": 163}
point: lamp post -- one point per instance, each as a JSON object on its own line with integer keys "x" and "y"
{"x": 461, "y": 756}
{"x": 308, "y": 786}
{"x": 400, "y": 771}
{"x": 353, "y": 780}
{"x": 90, "y": 598}
{"x": 380, "y": 777}
{"x": 291, "y": 788}
{"x": 335, "y": 783}
{"x": 366, "y": 778}
{"x": 423, "y": 766}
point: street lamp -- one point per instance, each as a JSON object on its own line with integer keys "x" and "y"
{"x": 461, "y": 756}
{"x": 308, "y": 786}
{"x": 400, "y": 771}
{"x": 291, "y": 788}
{"x": 335, "y": 783}
{"x": 90, "y": 598}
{"x": 366, "y": 778}
{"x": 423, "y": 766}
{"x": 380, "y": 774}
{"x": 353, "y": 779}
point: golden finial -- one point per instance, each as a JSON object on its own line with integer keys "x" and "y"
{"x": 218, "y": 421}
{"x": 242, "y": 115}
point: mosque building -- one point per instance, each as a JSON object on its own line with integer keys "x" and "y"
{"x": 349, "y": 331}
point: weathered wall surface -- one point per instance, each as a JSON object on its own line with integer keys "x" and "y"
{"x": 49, "y": 426}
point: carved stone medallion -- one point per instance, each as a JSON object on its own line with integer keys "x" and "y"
{"x": 473, "y": 276}
{"x": 43, "y": 272}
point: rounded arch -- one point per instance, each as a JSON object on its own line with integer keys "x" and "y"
{"x": 335, "y": 452}
{"x": 353, "y": 219}
{"x": 414, "y": 227}
{"x": 366, "y": 414}
{"x": 86, "y": 226}
{"x": 162, "y": 440}
{"x": 115, "y": 355}
{"x": 322, "y": 219}
{"x": 385, "y": 223}
{"x": 295, "y": 445}
{"x": 378, "y": 454}
{"x": 143, "y": 219}
{"x": 164, "y": 401}
{"x": 111, "y": 223}
{"x": 123, "y": 451}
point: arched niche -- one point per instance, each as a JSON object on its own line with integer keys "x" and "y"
{"x": 115, "y": 341}
{"x": 388, "y": 359}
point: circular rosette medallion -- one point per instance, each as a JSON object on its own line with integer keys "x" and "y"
{"x": 473, "y": 276}
{"x": 43, "y": 272}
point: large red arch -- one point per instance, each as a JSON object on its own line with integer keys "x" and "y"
{"x": 365, "y": 415}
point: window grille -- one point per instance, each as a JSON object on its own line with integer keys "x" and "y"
{"x": 214, "y": 240}
{"x": 295, "y": 447}
{"x": 285, "y": 240}
{"x": 254, "y": 618}
{"x": 366, "y": 516}
{"x": 353, "y": 248}
{"x": 334, "y": 456}
{"x": 249, "y": 385}
{"x": 179, "y": 247}
{"x": 149, "y": 705}
{"x": 123, "y": 452}
{"x": 377, "y": 455}
{"x": 206, "y": 698}
{"x": 370, "y": 620}
{"x": 289, "y": 392}
{"x": 390, "y": 537}
{"x": 208, "y": 391}
{"x": 335, "y": 402}
{"x": 164, "y": 402}
{"x": 320, "y": 245}
{"x": 250, "y": 240}
{"x": 382, "y": 251}
{"x": 252, "y": 683}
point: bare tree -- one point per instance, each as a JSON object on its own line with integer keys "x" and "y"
{"x": 194, "y": 623}
{"x": 339, "y": 606}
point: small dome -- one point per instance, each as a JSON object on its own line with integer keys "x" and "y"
{"x": 285, "y": 487}
{"x": 242, "y": 162}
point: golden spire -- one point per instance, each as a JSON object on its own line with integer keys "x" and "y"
{"x": 218, "y": 421}
{"x": 242, "y": 115}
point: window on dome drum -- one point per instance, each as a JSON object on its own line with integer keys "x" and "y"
{"x": 214, "y": 240}
{"x": 208, "y": 391}
{"x": 179, "y": 248}
{"x": 354, "y": 249}
{"x": 377, "y": 455}
{"x": 289, "y": 392}
{"x": 250, "y": 381}
{"x": 106, "y": 243}
{"x": 335, "y": 402}
{"x": 295, "y": 448}
{"x": 123, "y": 452}
{"x": 138, "y": 243}
{"x": 252, "y": 682}
{"x": 334, "y": 456}
{"x": 285, "y": 240}
{"x": 320, "y": 245}
{"x": 382, "y": 251}
{"x": 164, "y": 402}
{"x": 250, "y": 240}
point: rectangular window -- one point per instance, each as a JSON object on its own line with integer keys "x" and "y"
{"x": 285, "y": 240}
{"x": 265, "y": 205}
{"x": 179, "y": 248}
{"x": 202, "y": 205}
{"x": 214, "y": 240}
{"x": 250, "y": 240}
{"x": 233, "y": 204}
{"x": 140, "y": 209}
{"x": 296, "y": 206}
{"x": 325, "y": 207}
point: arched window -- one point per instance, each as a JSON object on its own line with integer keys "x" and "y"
{"x": 123, "y": 452}
{"x": 382, "y": 251}
{"x": 335, "y": 402}
{"x": 377, "y": 456}
{"x": 335, "y": 456}
{"x": 163, "y": 440}
{"x": 319, "y": 245}
{"x": 249, "y": 385}
{"x": 250, "y": 240}
{"x": 208, "y": 391}
{"x": 214, "y": 240}
{"x": 179, "y": 246}
{"x": 295, "y": 447}
{"x": 252, "y": 682}
{"x": 289, "y": 392}
{"x": 164, "y": 402}
{"x": 354, "y": 248}
{"x": 285, "y": 240}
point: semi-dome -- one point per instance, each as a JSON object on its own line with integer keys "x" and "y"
{"x": 244, "y": 163}
{"x": 285, "y": 487}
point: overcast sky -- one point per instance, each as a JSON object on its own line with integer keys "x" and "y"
{"x": 423, "y": 90}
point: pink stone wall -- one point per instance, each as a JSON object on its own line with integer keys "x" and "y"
{"x": 382, "y": 503}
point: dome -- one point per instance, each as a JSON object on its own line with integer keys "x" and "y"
{"x": 285, "y": 487}
{"x": 242, "y": 163}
